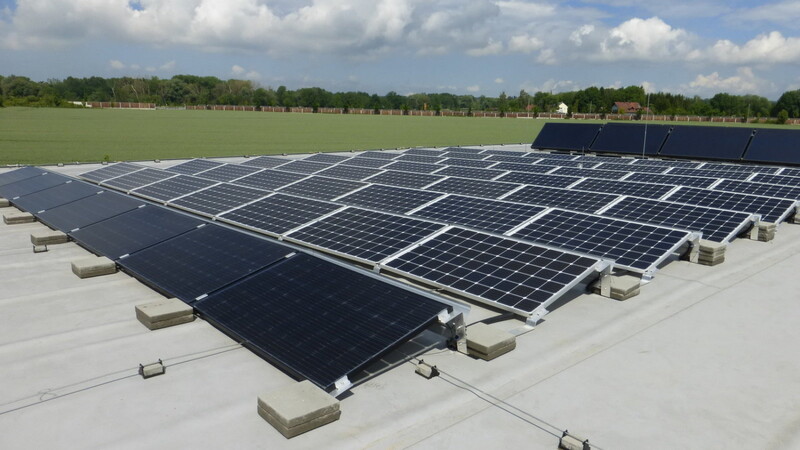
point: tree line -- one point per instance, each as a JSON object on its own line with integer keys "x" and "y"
{"x": 196, "y": 90}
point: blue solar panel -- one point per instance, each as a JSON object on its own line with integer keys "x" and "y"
{"x": 192, "y": 167}
{"x": 349, "y": 172}
{"x": 107, "y": 172}
{"x": 771, "y": 209}
{"x": 279, "y": 213}
{"x": 467, "y": 162}
{"x": 406, "y": 166}
{"x": 423, "y": 152}
{"x": 388, "y": 198}
{"x": 269, "y": 180}
{"x": 321, "y": 188}
{"x": 566, "y": 136}
{"x": 749, "y": 168}
{"x": 561, "y": 198}
{"x": 632, "y": 167}
{"x": 665, "y": 162}
{"x": 590, "y": 173}
{"x": 377, "y": 155}
{"x": 678, "y": 180}
{"x": 722, "y": 143}
{"x": 774, "y": 146}
{"x": 375, "y": 163}
{"x": 478, "y": 188}
{"x": 173, "y": 187}
{"x": 512, "y": 159}
{"x": 55, "y": 196}
{"x": 480, "y": 213}
{"x": 539, "y": 179}
{"x": 464, "y": 155}
{"x": 405, "y": 179}
{"x": 421, "y": 159}
{"x": 88, "y": 210}
{"x": 530, "y": 168}
{"x": 267, "y": 162}
{"x": 751, "y": 187}
{"x": 31, "y": 185}
{"x": 630, "y": 138}
{"x": 217, "y": 199}
{"x": 636, "y": 189}
{"x": 138, "y": 179}
{"x": 228, "y": 172}
{"x": 566, "y": 163}
{"x": 781, "y": 180}
{"x": 730, "y": 174}
{"x": 326, "y": 158}
{"x": 470, "y": 172}
{"x": 306, "y": 167}
{"x": 19, "y": 174}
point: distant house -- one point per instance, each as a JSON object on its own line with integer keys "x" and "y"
{"x": 628, "y": 108}
{"x": 562, "y": 108}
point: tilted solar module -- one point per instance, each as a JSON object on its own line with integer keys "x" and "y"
{"x": 551, "y": 155}
{"x": 464, "y": 150}
{"x": 278, "y": 213}
{"x": 633, "y": 246}
{"x": 88, "y": 210}
{"x": 55, "y": 196}
{"x": 32, "y": 185}
{"x": 774, "y": 146}
{"x": 771, "y": 209}
{"x": 464, "y": 155}
{"x": 349, "y": 172}
{"x": 318, "y": 320}
{"x": 561, "y": 198}
{"x": 790, "y": 172}
{"x": 666, "y": 162}
{"x": 751, "y": 187}
{"x": 721, "y": 143}
{"x": 423, "y": 152}
{"x": 266, "y": 162}
{"x": 111, "y": 171}
{"x": 327, "y": 158}
{"x": 138, "y": 179}
{"x": 530, "y": 168}
{"x": 196, "y": 263}
{"x": 375, "y": 163}
{"x": 173, "y": 187}
{"x": 421, "y": 159}
{"x": 512, "y": 159}
{"x": 19, "y": 174}
{"x": 306, "y": 167}
{"x": 601, "y": 159}
{"x": 566, "y": 163}
{"x": 194, "y": 166}
{"x": 405, "y": 179}
{"x": 630, "y": 138}
{"x": 717, "y": 225}
{"x": 388, "y": 198}
{"x": 539, "y": 179}
{"x": 134, "y": 230}
{"x": 366, "y": 236}
{"x": 216, "y": 199}
{"x": 678, "y": 180}
{"x": 269, "y": 180}
{"x": 504, "y": 152}
{"x": 781, "y": 180}
{"x": 730, "y": 174}
{"x": 480, "y": 213}
{"x": 478, "y": 188}
{"x": 566, "y": 136}
{"x": 633, "y": 188}
{"x": 470, "y": 172}
{"x": 739, "y": 168}
{"x": 503, "y": 272}
{"x": 377, "y": 155}
{"x": 632, "y": 167}
{"x": 321, "y": 188}
{"x": 228, "y": 172}
{"x": 466, "y": 162}
{"x": 405, "y": 166}
{"x": 590, "y": 173}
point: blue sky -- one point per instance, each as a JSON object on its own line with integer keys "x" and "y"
{"x": 479, "y": 47}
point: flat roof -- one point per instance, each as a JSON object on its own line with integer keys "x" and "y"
{"x": 703, "y": 357}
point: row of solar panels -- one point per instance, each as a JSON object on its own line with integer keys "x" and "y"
{"x": 762, "y": 145}
{"x": 309, "y": 316}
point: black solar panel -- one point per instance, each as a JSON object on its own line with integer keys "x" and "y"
{"x": 466, "y": 162}
{"x": 114, "y": 170}
{"x": 600, "y": 159}
{"x": 266, "y": 162}
{"x": 377, "y": 155}
{"x": 194, "y": 166}
{"x": 678, "y": 180}
{"x": 709, "y": 173}
{"x": 717, "y": 225}
{"x": 774, "y": 146}
{"x": 279, "y": 213}
{"x": 723, "y": 143}
{"x": 504, "y": 153}
{"x": 463, "y": 150}
{"x": 636, "y": 189}
{"x": 349, "y": 172}
{"x": 389, "y": 198}
{"x": 665, "y": 162}
{"x": 512, "y": 159}
{"x": 632, "y": 167}
{"x": 464, "y": 155}
{"x": 567, "y": 163}
{"x": 375, "y": 163}
{"x": 138, "y": 179}
{"x": 566, "y": 136}
{"x": 470, "y": 172}
{"x": 405, "y": 179}
{"x": 217, "y": 199}
{"x": 530, "y": 168}
{"x": 364, "y": 235}
{"x": 31, "y": 185}
{"x": 630, "y": 138}
{"x": 321, "y": 188}
{"x": 750, "y": 187}
{"x": 228, "y": 172}
{"x": 326, "y": 158}
{"x": 771, "y": 209}
{"x": 269, "y": 180}
{"x": 480, "y": 213}
{"x": 632, "y": 246}
{"x": 478, "y": 188}
{"x": 348, "y": 318}
{"x": 423, "y": 152}
{"x": 15, "y": 175}
{"x": 551, "y": 155}
{"x": 590, "y": 173}
{"x": 201, "y": 261}
{"x": 790, "y": 172}
{"x": 306, "y": 167}
{"x": 173, "y": 187}
{"x": 561, "y": 198}
{"x": 503, "y": 272}
{"x": 539, "y": 179}
{"x": 749, "y": 168}
{"x": 88, "y": 210}
{"x": 781, "y": 180}
{"x": 55, "y": 196}
{"x": 133, "y": 231}
{"x": 421, "y": 159}
{"x": 406, "y": 166}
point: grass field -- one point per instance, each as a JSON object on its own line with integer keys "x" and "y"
{"x": 47, "y": 136}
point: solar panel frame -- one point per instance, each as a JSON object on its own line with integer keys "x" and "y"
{"x": 469, "y": 186}
{"x": 495, "y": 216}
{"x": 631, "y": 188}
{"x": 561, "y": 198}
{"x": 771, "y": 209}
{"x": 349, "y": 172}
{"x": 53, "y": 197}
{"x": 305, "y": 167}
{"x": 278, "y": 213}
{"x": 790, "y": 172}
{"x": 172, "y": 188}
{"x": 269, "y": 180}
{"x": 388, "y": 198}
{"x": 709, "y": 173}
{"x": 217, "y": 199}
{"x": 539, "y": 179}
{"x": 679, "y": 180}
{"x": 110, "y": 171}
{"x": 46, "y": 180}
{"x": 321, "y": 188}
{"x": 228, "y": 172}
{"x": 781, "y": 180}
{"x": 405, "y": 179}
{"x": 194, "y": 166}
{"x": 20, "y": 174}
{"x": 137, "y": 179}
{"x": 88, "y": 210}
{"x": 750, "y": 168}
{"x": 470, "y": 172}
{"x": 752, "y": 187}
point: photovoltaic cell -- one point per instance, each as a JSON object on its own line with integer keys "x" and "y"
{"x": 566, "y": 163}
{"x": 114, "y": 170}
{"x": 539, "y": 179}
{"x": 470, "y": 172}
{"x": 349, "y": 172}
{"x": 269, "y": 180}
{"x": 771, "y": 209}
{"x": 19, "y": 174}
{"x": 194, "y": 166}
{"x": 561, "y": 198}
{"x": 631, "y": 245}
{"x": 217, "y": 199}
{"x": 55, "y": 196}
{"x": 364, "y": 235}
{"x": 228, "y": 172}
{"x": 781, "y": 180}
{"x": 774, "y": 146}
{"x": 88, "y": 210}
{"x": 590, "y": 173}
{"x": 405, "y": 179}
{"x": 388, "y": 198}
{"x": 421, "y": 159}
{"x": 665, "y": 162}
{"x": 201, "y": 261}
{"x": 530, "y": 168}
{"x": 279, "y": 213}
{"x": 633, "y": 188}
{"x": 632, "y": 167}
{"x": 326, "y": 158}
{"x": 630, "y": 138}
{"x": 31, "y": 185}
{"x": 306, "y": 167}
{"x": 551, "y": 155}
{"x": 678, "y": 180}
{"x": 463, "y": 150}
{"x": 349, "y": 318}
{"x": 709, "y": 173}
{"x": 504, "y": 272}
{"x": 464, "y": 155}
{"x": 173, "y": 187}
{"x": 266, "y": 162}
{"x": 750, "y": 187}
{"x": 466, "y": 162}
{"x": 423, "y": 152}
{"x": 478, "y": 188}
{"x": 566, "y": 136}
{"x": 717, "y": 225}
{"x": 790, "y": 172}
{"x": 749, "y": 168}
{"x": 722, "y": 143}
{"x": 483, "y": 214}
{"x": 406, "y": 166}
{"x": 377, "y": 155}
{"x": 321, "y": 188}
{"x": 512, "y": 159}
{"x": 138, "y": 179}
{"x": 375, "y": 163}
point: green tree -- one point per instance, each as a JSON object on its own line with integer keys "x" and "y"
{"x": 789, "y": 101}
{"x": 783, "y": 116}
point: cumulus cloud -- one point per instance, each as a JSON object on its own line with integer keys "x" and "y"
{"x": 237, "y": 70}
{"x": 473, "y": 88}
{"x": 645, "y": 39}
{"x": 744, "y": 82}
{"x": 491, "y": 48}
{"x": 785, "y": 13}
{"x": 116, "y": 64}
{"x": 763, "y": 49}
{"x": 524, "y": 43}
{"x": 499, "y": 81}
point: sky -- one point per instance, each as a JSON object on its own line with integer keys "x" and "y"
{"x": 479, "y": 47}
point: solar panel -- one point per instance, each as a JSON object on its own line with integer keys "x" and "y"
{"x": 512, "y": 159}
{"x": 349, "y": 172}
{"x": 138, "y": 179}
{"x": 600, "y": 159}
{"x": 749, "y": 168}
{"x": 483, "y": 214}
{"x": 31, "y": 185}
{"x": 279, "y": 213}
{"x": 423, "y": 152}
{"x": 405, "y": 179}
{"x": 19, "y": 174}
{"x": 173, "y": 187}
{"x": 321, "y": 188}
{"x": 771, "y": 209}
{"x": 750, "y": 187}
{"x": 630, "y": 138}
{"x": 503, "y": 272}
{"x": 566, "y": 163}
{"x": 725, "y": 143}
{"x": 781, "y": 180}
{"x": 590, "y": 173}
{"x": 478, "y": 188}
{"x": 111, "y": 171}
{"x": 375, "y": 163}
{"x": 269, "y": 180}
{"x": 530, "y": 168}
{"x": 406, "y": 166}
{"x": 388, "y": 198}
{"x": 348, "y": 318}
{"x": 194, "y": 166}
{"x": 566, "y": 136}
{"x": 709, "y": 173}
{"x": 774, "y": 146}
{"x": 228, "y": 172}
{"x": 463, "y": 150}
{"x": 551, "y": 155}
{"x": 88, "y": 210}
{"x": 632, "y": 167}
{"x": 632, "y": 246}
{"x": 466, "y": 162}
{"x": 717, "y": 225}
{"x": 633, "y": 188}
{"x": 363, "y": 235}
{"x": 377, "y": 155}
{"x": 539, "y": 179}
{"x": 326, "y": 158}
{"x": 665, "y": 162}
{"x": 504, "y": 153}
{"x": 201, "y": 261}
{"x": 561, "y": 198}
{"x": 790, "y": 172}
{"x": 678, "y": 180}
{"x": 306, "y": 167}
{"x": 470, "y": 172}
{"x": 266, "y": 162}
{"x": 217, "y": 199}
{"x": 421, "y": 159}
{"x": 133, "y": 231}
{"x": 55, "y": 196}
{"x": 464, "y": 155}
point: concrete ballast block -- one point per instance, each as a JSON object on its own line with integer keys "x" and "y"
{"x": 4, "y": 203}
{"x": 13, "y": 218}
{"x": 93, "y": 267}
{"x": 298, "y": 408}
{"x": 164, "y": 313}
{"x": 622, "y": 287}
{"x": 486, "y": 342}
{"x": 48, "y": 237}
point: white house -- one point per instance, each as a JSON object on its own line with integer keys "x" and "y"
{"x": 562, "y": 108}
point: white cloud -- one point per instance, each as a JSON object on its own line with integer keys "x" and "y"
{"x": 763, "y": 49}
{"x": 491, "y": 48}
{"x": 116, "y": 64}
{"x": 473, "y": 88}
{"x": 648, "y": 87}
{"x": 785, "y": 13}
{"x": 744, "y": 82}
{"x": 169, "y": 65}
{"x": 524, "y": 43}
{"x": 645, "y": 39}
{"x": 577, "y": 35}
{"x": 499, "y": 81}
{"x": 237, "y": 70}
{"x": 552, "y": 85}
{"x": 252, "y": 76}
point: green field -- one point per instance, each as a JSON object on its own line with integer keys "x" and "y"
{"x": 47, "y": 136}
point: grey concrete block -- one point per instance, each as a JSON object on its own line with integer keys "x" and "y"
{"x": 164, "y": 313}
{"x": 93, "y": 267}
{"x": 622, "y": 287}
{"x": 4, "y": 203}
{"x": 48, "y": 237}
{"x": 300, "y": 404}
{"x": 290, "y": 432}
{"x": 486, "y": 342}
{"x": 13, "y": 218}
{"x": 168, "y": 322}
